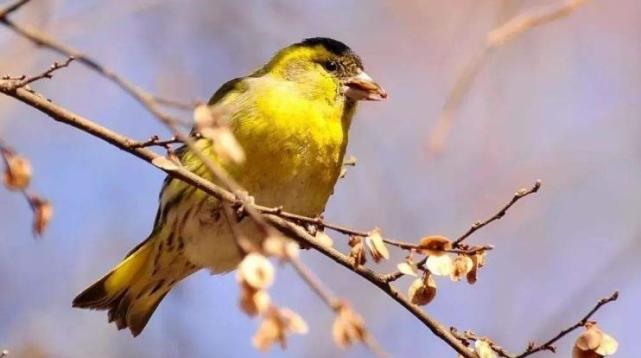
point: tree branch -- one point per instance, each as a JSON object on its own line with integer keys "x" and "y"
{"x": 493, "y": 40}
{"x": 65, "y": 116}
{"x": 520, "y": 194}
{"x": 146, "y": 99}
{"x": 549, "y": 345}
{"x": 11, "y": 8}
{"x": 24, "y": 81}
{"x": 457, "y": 245}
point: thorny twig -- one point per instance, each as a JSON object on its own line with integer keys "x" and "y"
{"x": 493, "y": 40}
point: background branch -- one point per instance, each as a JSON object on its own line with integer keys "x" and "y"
{"x": 493, "y": 40}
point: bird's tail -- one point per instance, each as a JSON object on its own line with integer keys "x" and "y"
{"x": 133, "y": 289}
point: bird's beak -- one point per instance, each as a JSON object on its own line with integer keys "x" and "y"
{"x": 363, "y": 87}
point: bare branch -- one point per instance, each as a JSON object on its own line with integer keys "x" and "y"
{"x": 46, "y": 74}
{"x": 331, "y": 300}
{"x": 493, "y": 40}
{"x": 467, "y": 336}
{"x": 170, "y": 102}
{"x": 146, "y": 99}
{"x": 433, "y": 325}
{"x": 549, "y": 345}
{"x": 297, "y": 232}
{"x": 11, "y": 8}
{"x": 416, "y": 247}
{"x": 458, "y": 247}
{"x": 520, "y": 194}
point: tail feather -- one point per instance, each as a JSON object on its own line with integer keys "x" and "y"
{"x": 132, "y": 291}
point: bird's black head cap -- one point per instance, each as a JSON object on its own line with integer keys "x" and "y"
{"x": 334, "y": 46}
{"x": 350, "y": 60}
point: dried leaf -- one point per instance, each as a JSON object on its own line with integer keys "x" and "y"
{"x": 478, "y": 261}
{"x": 357, "y": 253}
{"x": 578, "y": 353}
{"x": 268, "y": 333}
{"x": 422, "y": 291}
{"x": 440, "y": 265}
{"x": 324, "y": 239}
{"x": 376, "y": 246}
{"x": 42, "y": 214}
{"x": 17, "y": 174}
{"x": 164, "y": 163}
{"x": 434, "y": 245}
{"x": 294, "y": 322}
{"x": 275, "y": 327}
{"x": 590, "y": 339}
{"x": 407, "y": 268}
{"x": 281, "y": 247}
{"x": 461, "y": 266}
{"x": 225, "y": 144}
{"x": 203, "y": 116}
{"x": 594, "y": 343}
{"x": 256, "y": 271}
{"x": 483, "y": 349}
{"x": 354, "y": 240}
{"x": 252, "y": 301}
{"x": 348, "y": 327}
{"x": 608, "y": 346}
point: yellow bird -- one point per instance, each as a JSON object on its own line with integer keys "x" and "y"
{"x": 292, "y": 119}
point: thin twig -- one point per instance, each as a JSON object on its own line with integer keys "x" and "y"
{"x": 416, "y": 247}
{"x": 468, "y": 336}
{"x": 457, "y": 245}
{"x": 522, "y": 193}
{"x": 315, "y": 284}
{"x": 494, "y": 39}
{"x": 145, "y": 98}
{"x": 148, "y": 101}
{"x": 46, "y": 74}
{"x": 299, "y": 233}
{"x": 11, "y": 8}
{"x": 170, "y": 102}
{"x": 331, "y": 300}
{"x": 549, "y": 345}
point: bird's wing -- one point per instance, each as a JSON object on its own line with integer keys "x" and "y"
{"x": 235, "y": 86}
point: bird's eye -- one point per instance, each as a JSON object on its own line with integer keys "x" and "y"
{"x": 330, "y": 66}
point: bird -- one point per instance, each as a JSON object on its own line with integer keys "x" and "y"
{"x": 291, "y": 117}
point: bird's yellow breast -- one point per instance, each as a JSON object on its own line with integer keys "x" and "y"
{"x": 294, "y": 143}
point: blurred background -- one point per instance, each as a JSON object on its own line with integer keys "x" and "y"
{"x": 561, "y": 103}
